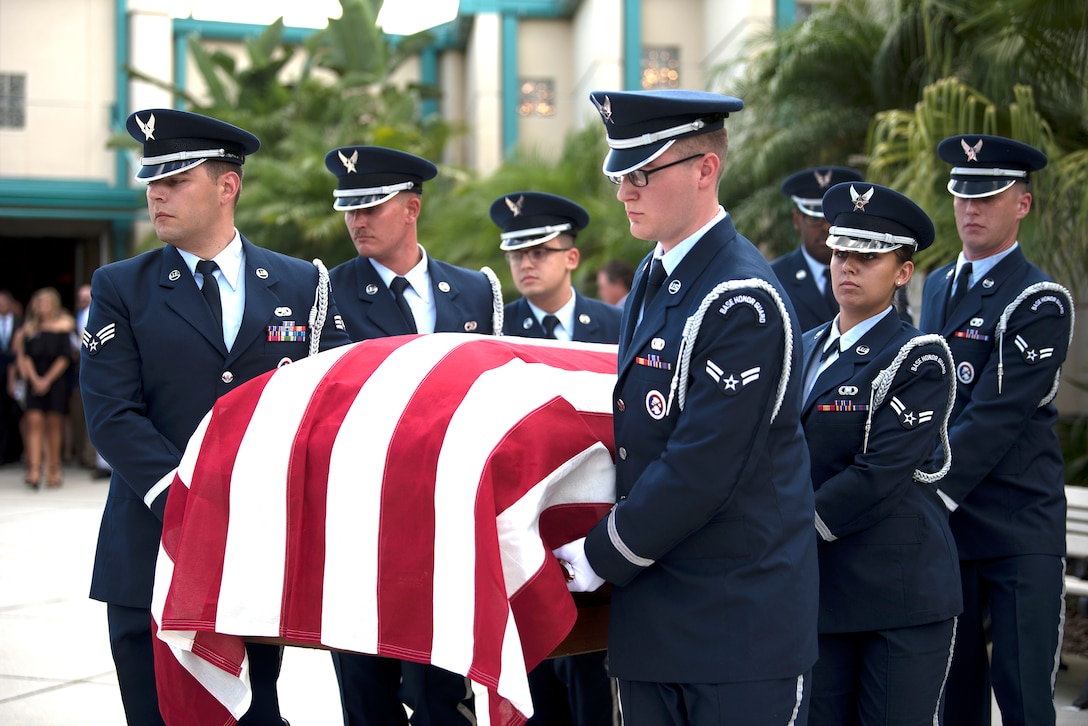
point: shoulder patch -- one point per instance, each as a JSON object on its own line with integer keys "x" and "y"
{"x": 927, "y": 359}
{"x": 747, "y": 300}
{"x": 94, "y": 342}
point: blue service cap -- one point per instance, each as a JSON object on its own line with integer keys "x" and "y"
{"x": 370, "y": 175}
{"x": 641, "y": 125}
{"x": 806, "y": 188}
{"x": 986, "y": 165}
{"x": 532, "y": 218}
{"x": 870, "y": 218}
{"x": 178, "y": 140}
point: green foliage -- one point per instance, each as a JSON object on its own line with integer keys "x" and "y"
{"x": 876, "y": 84}
{"x": 455, "y": 224}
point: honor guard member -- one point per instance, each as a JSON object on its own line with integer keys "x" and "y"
{"x": 1009, "y": 326}
{"x": 168, "y": 332}
{"x": 710, "y": 548}
{"x": 805, "y": 273}
{"x": 394, "y": 288}
{"x": 538, "y": 240}
{"x": 879, "y": 394}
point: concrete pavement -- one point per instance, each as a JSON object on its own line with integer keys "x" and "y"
{"x": 55, "y": 664}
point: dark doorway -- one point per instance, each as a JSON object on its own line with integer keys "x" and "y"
{"x": 31, "y": 263}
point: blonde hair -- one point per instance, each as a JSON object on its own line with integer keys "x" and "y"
{"x": 33, "y": 320}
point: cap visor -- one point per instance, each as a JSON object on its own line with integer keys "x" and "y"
{"x": 623, "y": 161}
{"x": 520, "y": 243}
{"x": 976, "y": 188}
{"x": 346, "y": 204}
{"x": 161, "y": 171}
{"x": 853, "y": 244}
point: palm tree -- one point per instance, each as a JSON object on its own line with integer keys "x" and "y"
{"x": 876, "y": 84}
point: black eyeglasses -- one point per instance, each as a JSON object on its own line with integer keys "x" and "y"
{"x": 641, "y": 177}
{"x": 536, "y": 255}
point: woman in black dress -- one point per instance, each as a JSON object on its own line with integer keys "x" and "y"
{"x": 43, "y": 348}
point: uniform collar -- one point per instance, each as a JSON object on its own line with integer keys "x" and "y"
{"x": 418, "y": 277}
{"x": 230, "y": 259}
{"x": 672, "y": 259}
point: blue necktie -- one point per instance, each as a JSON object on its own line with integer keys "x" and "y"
{"x": 210, "y": 290}
{"x": 398, "y": 286}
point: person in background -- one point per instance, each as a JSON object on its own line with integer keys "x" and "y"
{"x": 539, "y": 233}
{"x": 538, "y": 240}
{"x": 806, "y": 272}
{"x": 878, "y": 395}
{"x": 43, "y": 352}
{"x": 1009, "y": 327}
{"x": 169, "y": 332}
{"x": 11, "y": 411}
{"x": 710, "y": 547}
{"x": 394, "y": 287}
{"x": 614, "y": 282}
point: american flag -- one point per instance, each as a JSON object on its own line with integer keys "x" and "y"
{"x": 398, "y": 497}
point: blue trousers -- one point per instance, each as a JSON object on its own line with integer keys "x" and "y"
{"x": 1021, "y": 600}
{"x": 782, "y": 702}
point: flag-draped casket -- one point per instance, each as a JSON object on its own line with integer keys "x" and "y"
{"x": 398, "y": 497}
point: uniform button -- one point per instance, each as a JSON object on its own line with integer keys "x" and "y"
{"x": 227, "y": 377}
{"x": 619, "y": 404}
{"x": 623, "y": 453}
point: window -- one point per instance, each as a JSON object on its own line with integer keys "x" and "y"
{"x": 660, "y": 67}
{"x": 537, "y": 97}
{"x": 12, "y": 100}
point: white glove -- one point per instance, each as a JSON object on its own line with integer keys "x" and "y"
{"x": 580, "y": 574}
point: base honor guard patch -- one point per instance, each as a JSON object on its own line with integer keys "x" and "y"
{"x": 287, "y": 333}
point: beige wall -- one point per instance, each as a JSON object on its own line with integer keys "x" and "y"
{"x": 598, "y": 56}
{"x": 69, "y": 84}
{"x": 545, "y": 53}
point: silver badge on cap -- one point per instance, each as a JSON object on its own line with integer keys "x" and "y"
{"x": 658, "y": 344}
{"x": 527, "y": 323}
{"x": 971, "y": 151}
{"x": 860, "y": 200}
{"x": 371, "y": 289}
{"x": 976, "y": 322}
{"x": 282, "y": 312}
{"x": 674, "y": 287}
{"x": 515, "y": 207}
{"x": 349, "y": 161}
{"x": 583, "y": 319}
{"x": 174, "y": 275}
{"x": 470, "y": 326}
{"x": 443, "y": 286}
{"x": 822, "y": 179}
{"x": 262, "y": 273}
{"x": 862, "y": 350}
{"x": 800, "y": 274}
{"x": 148, "y": 128}
{"x": 605, "y": 109}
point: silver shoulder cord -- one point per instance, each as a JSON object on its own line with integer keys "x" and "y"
{"x": 496, "y": 300}
{"x": 679, "y": 387}
{"x": 883, "y": 383}
{"x": 320, "y": 310}
{"x": 1003, "y": 324}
